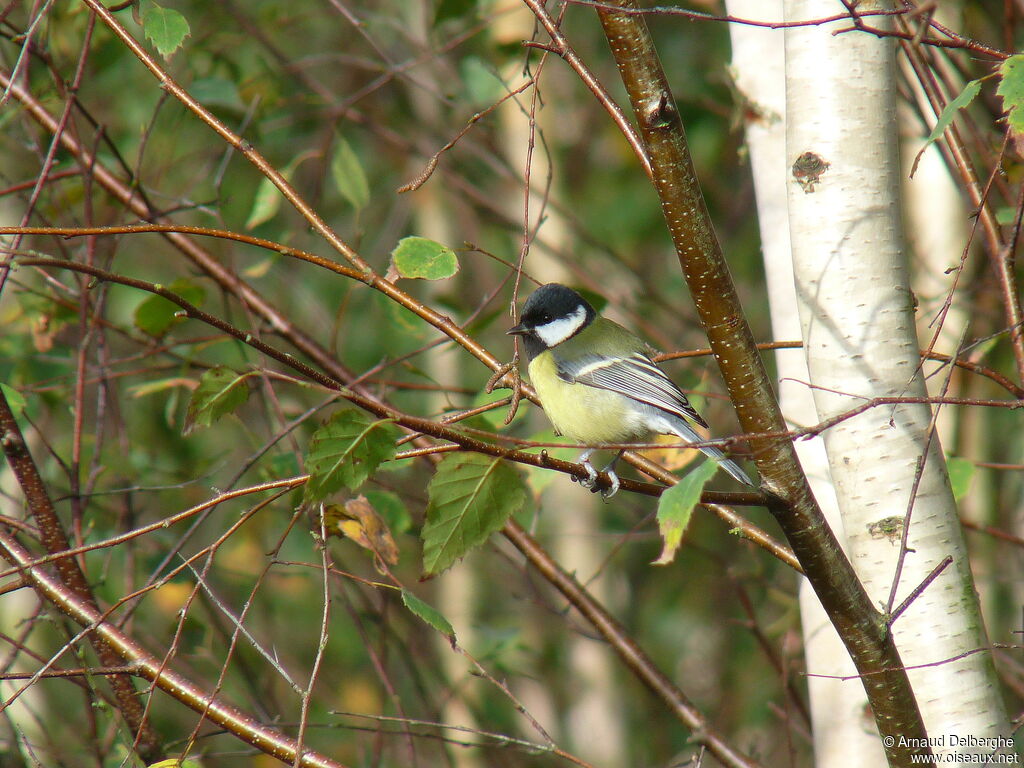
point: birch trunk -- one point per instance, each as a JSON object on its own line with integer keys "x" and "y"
{"x": 843, "y": 731}
{"x": 858, "y": 325}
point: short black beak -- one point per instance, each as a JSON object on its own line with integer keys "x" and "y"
{"x": 517, "y": 330}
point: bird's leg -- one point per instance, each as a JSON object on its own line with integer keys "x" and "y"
{"x": 613, "y": 479}
{"x": 590, "y": 481}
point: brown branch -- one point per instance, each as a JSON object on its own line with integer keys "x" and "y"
{"x": 170, "y": 85}
{"x": 856, "y": 619}
{"x": 1000, "y": 255}
{"x": 126, "y": 194}
{"x": 154, "y": 670}
{"x": 561, "y": 47}
{"x": 442, "y": 431}
{"x": 255, "y": 302}
{"x": 631, "y": 654}
{"x": 916, "y": 592}
{"x": 73, "y": 580}
{"x": 967, "y": 365}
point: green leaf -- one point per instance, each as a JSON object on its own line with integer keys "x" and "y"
{"x": 349, "y": 175}
{"x": 220, "y": 391}
{"x": 675, "y": 507}
{"x": 429, "y": 614}
{"x": 156, "y": 386}
{"x": 1011, "y": 88}
{"x": 155, "y": 315}
{"x": 165, "y": 28}
{"x": 470, "y": 497}
{"x": 347, "y": 450}
{"x": 409, "y": 325}
{"x": 1006, "y": 216}
{"x": 966, "y": 96}
{"x": 961, "y": 472}
{"x": 265, "y": 204}
{"x": 419, "y": 257}
{"x": 14, "y": 398}
{"x": 216, "y": 92}
{"x": 481, "y": 82}
{"x": 268, "y": 197}
{"x": 391, "y": 507}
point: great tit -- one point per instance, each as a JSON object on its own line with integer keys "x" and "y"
{"x": 597, "y": 383}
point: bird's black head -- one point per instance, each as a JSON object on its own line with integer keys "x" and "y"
{"x": 552, "y": 314}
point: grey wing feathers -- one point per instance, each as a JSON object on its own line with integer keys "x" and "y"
{"x": 634, "y": 376}
{"x": 638, "y": 377}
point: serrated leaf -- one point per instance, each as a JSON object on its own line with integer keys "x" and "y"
{"x": 420, "y": 257}
{"x": 961, "y": 472}
{"x": 349, "y": 176}
{"x": 1011, "y": 89}
{"x": 14, "y": 398}
{"x": 347, "y": 450}
{"x": 155, "y": 315}
{"x": 220, "y": 392}
{"x": 165, "y": 28}
{"x": 429, "y": 614}
{"x": 470, "y": 497}
{"x": 675, "y": 507}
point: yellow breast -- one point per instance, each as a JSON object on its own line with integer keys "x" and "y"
{"x": 581, "y": 413}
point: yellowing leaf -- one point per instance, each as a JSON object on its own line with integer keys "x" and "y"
{"x": 176, "y": 762}
{"x": 671, "y": 458}
{"x": 359, "y": 521}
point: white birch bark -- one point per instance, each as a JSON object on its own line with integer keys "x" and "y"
{"x": 843, "y": 733}
{"x": 858, "y": 325}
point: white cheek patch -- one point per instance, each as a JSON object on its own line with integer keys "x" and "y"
{"x": 561, "y": 329}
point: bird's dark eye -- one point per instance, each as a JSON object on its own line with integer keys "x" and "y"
{"x": 544, "y": 318}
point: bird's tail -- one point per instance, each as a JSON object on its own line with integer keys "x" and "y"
{"x": 686, "y": 432}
